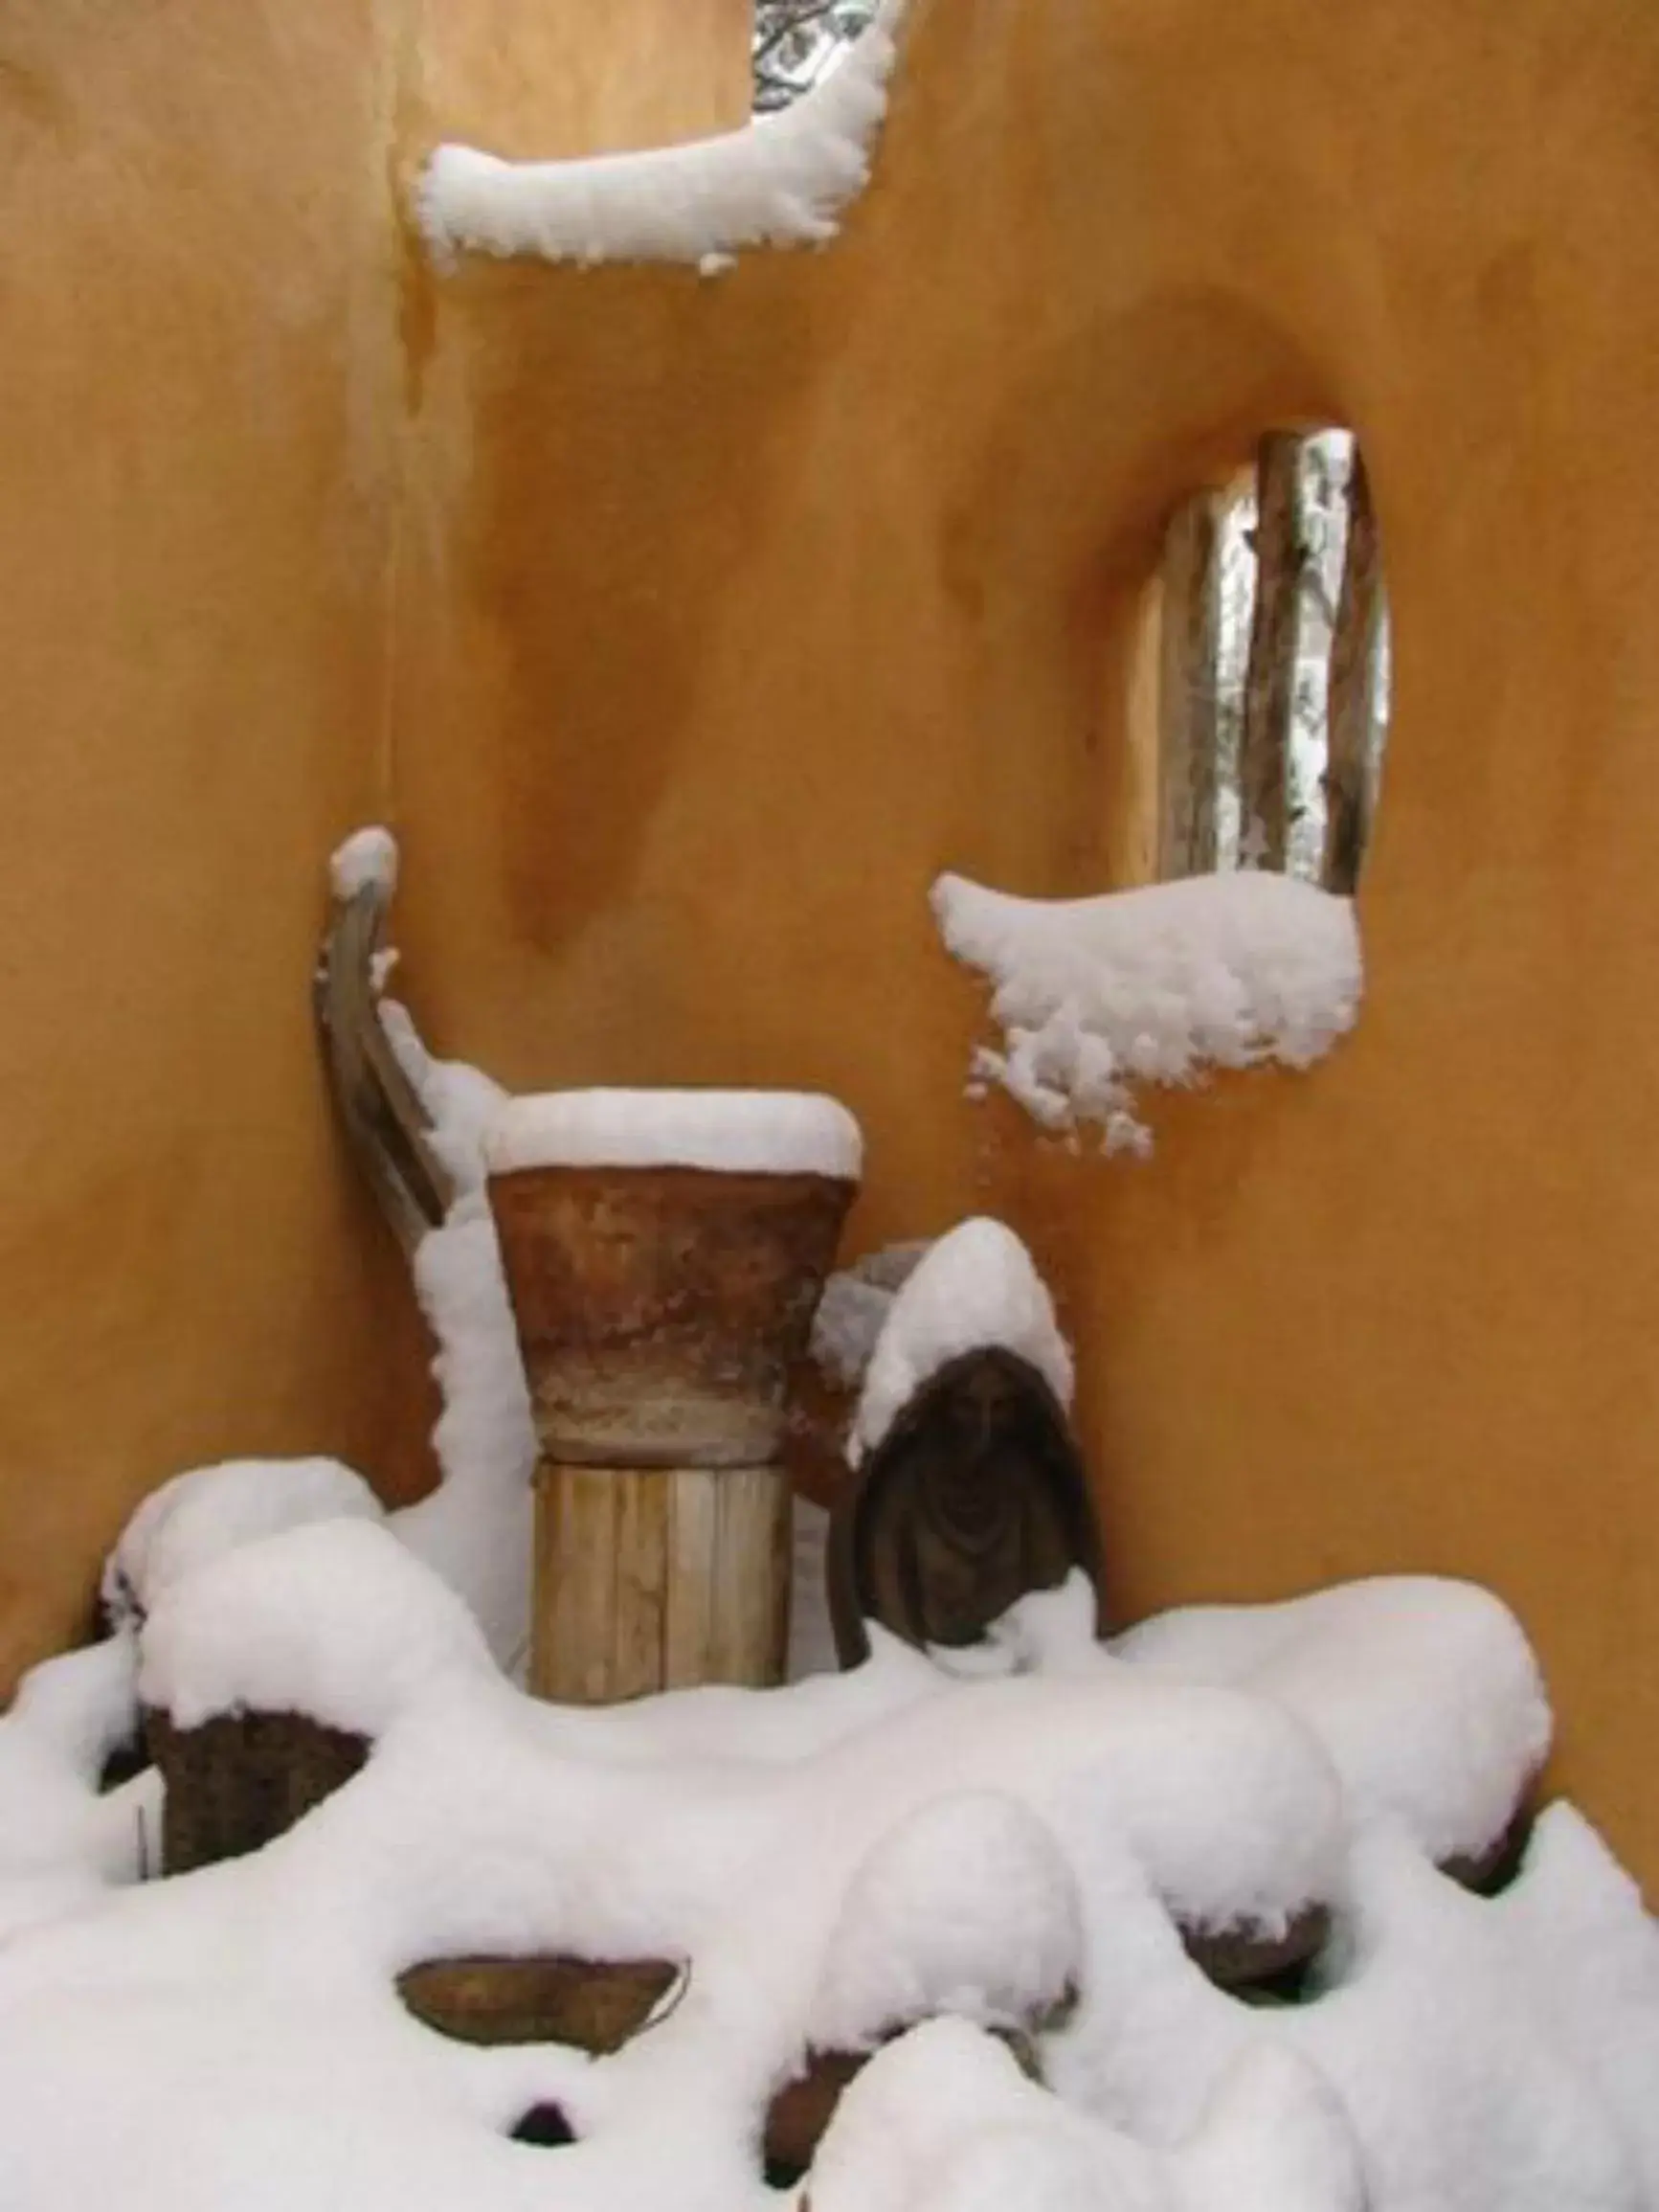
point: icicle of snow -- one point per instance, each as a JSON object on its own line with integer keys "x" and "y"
{"x": 1154, "y": 986}
{"x": 976, "y": 1288}
{"x": 784, "y": 180}
{"x": 752, "y": 1132}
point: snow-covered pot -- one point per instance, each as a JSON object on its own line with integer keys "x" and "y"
{"x": 665, "y": 1252}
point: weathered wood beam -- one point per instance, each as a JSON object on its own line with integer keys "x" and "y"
{"x": 1189, "y": 711}
{"x": 1271, "y": 683}
{"x": 384, "y": 1117}
{"x": 1353, "y": 694}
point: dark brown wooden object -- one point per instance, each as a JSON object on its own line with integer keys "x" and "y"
{"x": 976, "y": 1496}
{"x": 592, "y": 2004}
{"x": 235, "y": 1782}
{"x": 382, "y": 1113}
{"x": 1353, "y": 698}
{"x": 1189, "y": 704}
{"x": 1271, "y": 683}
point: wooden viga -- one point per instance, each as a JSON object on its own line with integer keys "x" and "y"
{"x": 665, "y": 1252}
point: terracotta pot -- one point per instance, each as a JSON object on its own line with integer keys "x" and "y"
{"x": 660, "y": 1309}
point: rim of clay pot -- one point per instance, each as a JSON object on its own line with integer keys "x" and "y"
{"x": 733, "y": 1132}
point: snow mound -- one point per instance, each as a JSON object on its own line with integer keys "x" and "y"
{"x": 1424, "y": 1692}
{"x": 944, "y": 2121}
{"x": 784, "y": 180}
{"x": 1094, "y": 996}
{"x": 823, "y": 1859}
{"x": 748, "y": 1132}
{"x": 976, "y": 1288}
{"x": 61, "y": 1840}
{"x": 969, "y": 1908}
{"x": 335, "y": 1621}
{"x": 201, "y": 1515}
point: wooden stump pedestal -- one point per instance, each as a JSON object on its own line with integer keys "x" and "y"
{"x": 659, "y": 1579}
{"x": 660, "y": 1311}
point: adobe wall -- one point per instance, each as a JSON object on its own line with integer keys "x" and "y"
{"x": 200, "y": 399}
{"x": 761, "y": 601}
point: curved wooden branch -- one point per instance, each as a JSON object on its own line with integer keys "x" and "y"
{"x": 383, "y": 1113}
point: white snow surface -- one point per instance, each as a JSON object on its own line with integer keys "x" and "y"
{"x": 784, "y": 180}
{"x": 752, "y": 1132}
{"x": 943, "y": 2120}
{"x": 1156, "y": 985}
{"x": 475, "y": 1528}
{"x": 826, "y": 1859}
{"x": 61, "y": 1841}
{"x": 201, "y": 1515}
{"x": 812, "y": 1642}
{"x": 368, "y": 856}
{"x": 975, "y": 1288}
{"x": 335, "y": 1619}
{"x": 1424, "y": 1692}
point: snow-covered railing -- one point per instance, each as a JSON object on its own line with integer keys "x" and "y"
{"x": 784, "y": 180}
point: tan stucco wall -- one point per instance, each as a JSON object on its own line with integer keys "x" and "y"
{"x": 200, "y": 396}
{"x": 760, "y": 602}
{"x": 723, "y": 616}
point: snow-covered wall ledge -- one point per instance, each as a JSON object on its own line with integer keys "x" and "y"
{"x": 784, "y": 180}
{"x": 1094, "y": 996}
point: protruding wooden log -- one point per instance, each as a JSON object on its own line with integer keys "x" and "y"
{"x": 594, "y": 2005}
{"x": 1353, "y": 695}
{"x": 1189, "y": 710}
{"x": 1270, "y": 684}
{"x": 240, "y": 1780}
{"x": 659, "y": 1579}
